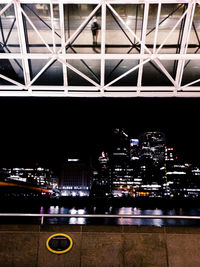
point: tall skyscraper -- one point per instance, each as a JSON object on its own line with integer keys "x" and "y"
{"x": 121, "y": 171}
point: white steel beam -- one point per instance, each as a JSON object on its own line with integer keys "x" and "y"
{"x": 144, "y": 31}
{"x": 157, "y": 25}
{"x": 157, "y": 61}
{"x": 60, "y": 88}
{"x": 52, "y": 28}
{"x": 189, "y": 84}
{"x": 184, "y": 42}
{"x": 126, "y": 73}
{"x": 79, "y": 72}
{"x": 40, "y": 72}
{"x": 35, "y": 29}
{"x": 21, "y": 86}
{"x": 80, "y": 28}
{"x": 62, "y": 31}
{"x": 9, "y": 3}
{"x": 126, "y": 25}
{"x": 22, "y": 41}
{"x": 102, "y": 89}
{"x": 172, "y": 30}
{"x": 97, "y": 94}
{"x": 144, "y": 46}
{"x": 172, "y": 57}
{"x": 97, "y": 1}
{"x": 103, "y": 49}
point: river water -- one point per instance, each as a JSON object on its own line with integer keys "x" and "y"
{"x": 122, "y": 211}
{"x": 81, "y": 207}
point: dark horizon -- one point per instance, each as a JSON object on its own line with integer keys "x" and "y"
{"x": 47, "y": 130}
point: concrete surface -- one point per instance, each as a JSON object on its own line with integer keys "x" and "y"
{"x": 101, "y": 246}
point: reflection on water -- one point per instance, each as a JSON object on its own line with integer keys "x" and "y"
{"x": 122, "y": 211}
{"x": 138, "y": 211}
{"x": 73, "y": 220}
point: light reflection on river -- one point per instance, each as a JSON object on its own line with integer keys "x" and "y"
{"x": 122, "y": 211}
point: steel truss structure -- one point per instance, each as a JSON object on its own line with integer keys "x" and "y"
{"x": 99, "y": 86}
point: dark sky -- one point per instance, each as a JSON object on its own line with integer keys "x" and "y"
{"x": 46, "y": 130}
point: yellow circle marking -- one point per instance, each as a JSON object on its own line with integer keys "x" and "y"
{"x": 62, "y": 251}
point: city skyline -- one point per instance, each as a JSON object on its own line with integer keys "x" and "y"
{"x": 47, "y": 130}
{"x": 144, "y": 167}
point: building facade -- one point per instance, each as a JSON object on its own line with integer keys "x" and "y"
{"x": 74, "y": 178}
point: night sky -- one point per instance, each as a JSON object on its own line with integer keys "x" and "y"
{"x": 47, "y": 130}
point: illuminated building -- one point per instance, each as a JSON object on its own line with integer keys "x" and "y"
{"x": 145, "y": 168}
{"x": 134, "y": 149}
{"x": 104, "y": 180}
{"x": 193, "y": 182}
{"x": 36, "y": 176}
{"x": 181, "y": 180}
{"x": 174, "y": 180}
{"x": 169, "y": 153}
{"x": 152, "y": 146}
{"x": 101, "y": 185}
{"x": 75, "y": 178}
{"x": 121, "y": 170}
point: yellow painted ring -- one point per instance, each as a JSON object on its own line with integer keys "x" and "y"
{"x": 62, "y": 251}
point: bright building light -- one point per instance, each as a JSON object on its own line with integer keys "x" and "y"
{"x": 73, "y": 160}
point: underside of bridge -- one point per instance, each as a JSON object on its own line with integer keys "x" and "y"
{"x": 144, "y": 48}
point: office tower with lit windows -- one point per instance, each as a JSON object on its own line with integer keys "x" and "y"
{"x": 75, "y": 178}
{"x": 101, "y": 185}
{"x": 121, "y": 170}
{"x": 104, "y": 180}
{"x": 175, "y": 179}
{"x": 153, "y": 146}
